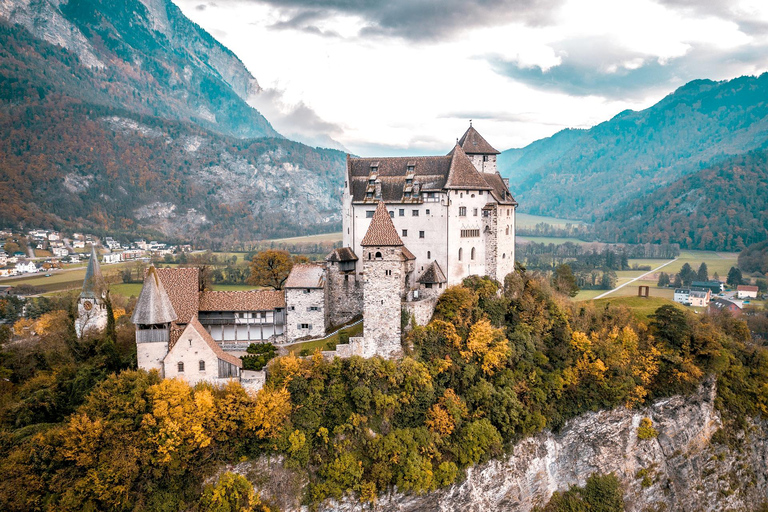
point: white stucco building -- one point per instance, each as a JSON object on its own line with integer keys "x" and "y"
{"x": 455, "y": 210}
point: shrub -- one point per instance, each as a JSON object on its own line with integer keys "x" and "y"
{"x": 646, "y": 430}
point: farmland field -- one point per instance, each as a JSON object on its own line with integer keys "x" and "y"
{"x": 524, "y": 220}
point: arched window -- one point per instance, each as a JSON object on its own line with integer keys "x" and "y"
{"x": 472, "y": 254}
{"x": 429, "y": 254}
{"x": 378, "y": 256}
{"x": 507, "y": 229}
{"x": 503, "y": 256}
{"x": 202, "y": 366}
{"x": 461, "y": 252}
{"x": 181, "y": 367}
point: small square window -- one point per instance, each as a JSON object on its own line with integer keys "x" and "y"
{"x": 405, "y": 232}
{"x": 427, "y": 211}
{"x": 202, "y": 366}
{"x": 369, "y": 214}
{"x": 415, "y": 213}
{"x": 391, "y": 215}
{"x": 474, "y": 212}
{"x": 401, "y": 212}
{"x": 462, "y": 211}
{"x": 421, "y": 234}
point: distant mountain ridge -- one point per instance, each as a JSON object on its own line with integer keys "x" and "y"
{"x": 126, "y": 118}
{"x": 587, "y": 174}
{"x": 143, "y": 55}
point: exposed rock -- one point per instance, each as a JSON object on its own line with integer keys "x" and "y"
{"x": 684, "y": 469}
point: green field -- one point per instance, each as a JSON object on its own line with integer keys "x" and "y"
{"x": 126, "y": 289}
{"x": 322, "y": 344}
{"x": 308, "y": 239}
{"x": 524, "y": 220}
{"x": 551, "y": 240}
{"x": 641, "y": 307}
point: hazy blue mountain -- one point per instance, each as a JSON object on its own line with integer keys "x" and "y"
{"x": 586, "y": 174}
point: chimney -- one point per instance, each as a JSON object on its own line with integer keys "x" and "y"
{"x": 378, "y": 190}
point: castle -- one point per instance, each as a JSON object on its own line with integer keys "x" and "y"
{"x": 412, "y": 226}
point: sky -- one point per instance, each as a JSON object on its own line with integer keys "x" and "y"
{"x": 399, "y": 77}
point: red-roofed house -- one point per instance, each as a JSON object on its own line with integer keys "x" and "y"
{"x": 746, "y": 292}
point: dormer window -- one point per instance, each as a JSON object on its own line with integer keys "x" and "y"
{"x": 410, "y": 168}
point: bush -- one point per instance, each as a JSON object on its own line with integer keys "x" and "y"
{"x": 646, "y": 430}
{"x": 259, "y": 355}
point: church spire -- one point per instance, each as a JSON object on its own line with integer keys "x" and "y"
{"x": 93, "y": 283}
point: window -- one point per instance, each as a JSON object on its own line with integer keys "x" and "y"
{"x": 507, "y": 229}
{"x": 470, "y": 233}
{"x": 472, "y": 254}
{"x": 474, "y": 212}
{"x": 378, "y": 256}
{"x": 306, "y": 291}
{"x": 405, "y": 232}
{"x": 461, "y": 194}
{"x": 313, "y": 308}
{"x": 410, "y": 168}
{"x": 305, "y": 326}
{"x": 181, "y": 367}
{"x": 201, "y": 365}
{"x": 392, "y": 215}
{"x": 369, "y": 195}
{"x": 473, "y": 195}
{"x": 369, "y": 214}
{"x": 427, "y": 211}
{"x": 421, "y": 234}
{"x": 462, "y": 211}
{"x": 429, "y": 254}
{"x": 428, "y": 285}
{"x": 485, "y": 158}
{"x": 415, "y": 213}
{"x": 479, "y": 192}
{"x": 509, "y": 212}
{"x": 504, "y": 256}
{"x": 401, "y": 212}
{"x": 387, "y": 272}
{"x": 461, "y": 252}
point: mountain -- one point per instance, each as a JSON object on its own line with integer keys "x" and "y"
{"x": 721, "y": 208}
{"x": 141, "y": 55}
{"x": 586, "y": 174}
{"x": 127, "y": 118}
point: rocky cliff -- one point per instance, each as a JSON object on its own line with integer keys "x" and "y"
{"x": 683, "y": 468}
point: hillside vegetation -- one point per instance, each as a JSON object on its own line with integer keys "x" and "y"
{"x": 721, "y": 208}
{"x": 588, "y": 174}
{"x": 488, "y": 370}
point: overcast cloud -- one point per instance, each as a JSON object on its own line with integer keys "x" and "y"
{"x": 405, "y": 76}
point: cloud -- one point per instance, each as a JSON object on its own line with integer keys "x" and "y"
{"x": 416, "y": 19}
{"x": 303, "y": 21}
{"x": 296, "y": 121}
{"x": 722, "y": 9}
{"x": 596, "y": 66}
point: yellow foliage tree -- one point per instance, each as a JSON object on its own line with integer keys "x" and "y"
{"x": 271, "y": 412}
{"x": 487, "y": 344}
{"x": 22, "y": 326}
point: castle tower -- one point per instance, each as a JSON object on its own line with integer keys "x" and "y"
{"x": 482, "y": 154}
{"x": 386, "y": 264}
{"x": 91, "y": 309}
{"x": 152, "y": 317}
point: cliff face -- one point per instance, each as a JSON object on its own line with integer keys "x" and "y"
{"x": 141, "y": 55}
{"x": 684, "y": 469}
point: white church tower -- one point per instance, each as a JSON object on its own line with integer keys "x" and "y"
{"x": 91, "y": 309}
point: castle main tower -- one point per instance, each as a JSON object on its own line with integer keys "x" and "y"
{"x": 387, "y": 269}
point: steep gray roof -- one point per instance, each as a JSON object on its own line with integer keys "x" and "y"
{"x": 433, "y": 274}
{"x": 93, "y": 283}
{"x": 154, "y": 306}
{"x": 474, "y": 144}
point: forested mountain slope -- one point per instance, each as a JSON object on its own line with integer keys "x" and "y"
{"x": 586, "y": 174}
{"x": 141, "y": 55}
{"x": 721, "y": 208}
{"x": 65, "y": 164}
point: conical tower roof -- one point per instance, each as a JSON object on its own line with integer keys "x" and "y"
{"x": 382, "y": 231}
{"x": 93, "y": 283}
{"x": 463, "y": 174}
{"x": 474, "y": 144}
{"x": 154, "y": 306}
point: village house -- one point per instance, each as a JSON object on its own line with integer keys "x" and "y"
{"x": 719, "y": 304}
{"x": 26, "y": 267}
{"x": 696, "y": 297}
{"x": 744, "y": 291}
{"x": 113, "y": 257}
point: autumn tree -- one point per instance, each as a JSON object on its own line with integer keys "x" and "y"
{"x": 271, "y": 268}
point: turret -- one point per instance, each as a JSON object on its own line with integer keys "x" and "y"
{"x": 152, "y": 317}
{"x": 91, "y": 309}
{"x": 482, "y": 154}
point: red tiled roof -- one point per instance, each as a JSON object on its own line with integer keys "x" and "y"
{"x": 474, "y": 144}
{"x": 181, "y": 285}
{"x": 256, "y": 300}
{"x": 463, "y": 173}
{"x": 197, "y": 326}
{"x": 305, "y": 275}
{"x": 382, "y": 231}
{"x": 746, "y": 288}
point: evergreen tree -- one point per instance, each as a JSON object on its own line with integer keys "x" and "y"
{"x": 734, "y": 277}
{"x": 715, "y": 276}
{"x": 678, "y": 282}
{"x": 663, "y": 280}
{"x": 564, "y": 281}
{"x": 687, "y": 275}
{"x": 703, "y": 273}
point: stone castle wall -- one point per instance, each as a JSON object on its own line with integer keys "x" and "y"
{"x": 345, "y": 295}
{"x": 299, "y": 302}
{"x": 382, "y": 291}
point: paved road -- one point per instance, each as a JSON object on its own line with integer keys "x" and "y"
{"x": 633, "y": 280}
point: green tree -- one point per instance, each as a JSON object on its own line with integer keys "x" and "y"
{"x": 564, "y": 281}
{"x": 687, "y": 275}
{"x": 663, "y": 280}
{"x": 671, "y": 325}
{"x": 232, "y": 493}
{"x": 734, "y": 277}
{"x": 703, "y": 273}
